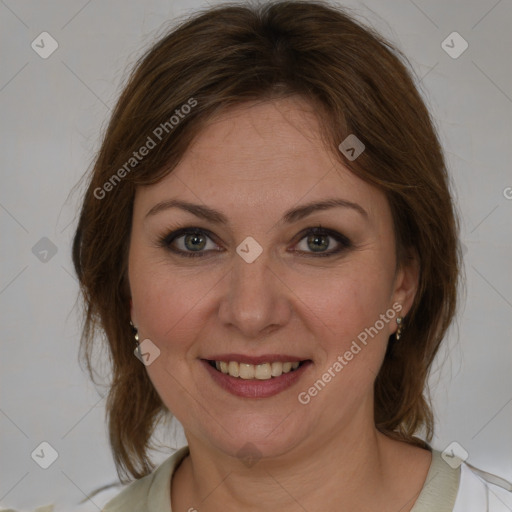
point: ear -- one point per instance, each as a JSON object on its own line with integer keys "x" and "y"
{"x": 406, "y": 282}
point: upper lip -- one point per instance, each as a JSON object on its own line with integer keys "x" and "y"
{"x": 265, "y": 358}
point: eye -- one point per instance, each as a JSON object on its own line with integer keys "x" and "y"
{"x": 318, "y": 240}
{"x": 188, "y": 242}
{"x": 194, "y": 242}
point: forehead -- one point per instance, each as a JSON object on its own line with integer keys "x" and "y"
{"x": 267, "y": 156}
{"x": 258, "y": 140}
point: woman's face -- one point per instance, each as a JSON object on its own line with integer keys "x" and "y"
{"x": 249, "y": 286}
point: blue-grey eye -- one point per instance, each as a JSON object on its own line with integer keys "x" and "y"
{"x": 193, "y": 242}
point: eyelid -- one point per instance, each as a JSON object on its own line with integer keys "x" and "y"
{"x": 166, "y": 240}
{"x": 341, "y": 239}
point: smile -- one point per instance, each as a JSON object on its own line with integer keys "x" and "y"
{"x": 263, "y": 371}
{"x": 255, "y": 377}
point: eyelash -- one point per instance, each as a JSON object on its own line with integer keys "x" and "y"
{"x": 166, "y": 241}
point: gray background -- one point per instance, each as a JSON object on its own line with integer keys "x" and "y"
{"x": 53, "y": 111}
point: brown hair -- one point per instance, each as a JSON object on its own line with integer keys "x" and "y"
{"x": 229, "y": 55}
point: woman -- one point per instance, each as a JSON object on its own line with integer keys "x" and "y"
{"x": 269, "y": 225}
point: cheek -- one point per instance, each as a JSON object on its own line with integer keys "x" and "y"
{"x": 345, "y": 311}
{"x": 345, "y": 301}
{"x": 164, "y": 305}
{"x": 351, "y": 344}
{"x": 171, "y": 305}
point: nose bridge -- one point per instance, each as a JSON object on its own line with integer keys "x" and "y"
{"x": 254, "y": 301}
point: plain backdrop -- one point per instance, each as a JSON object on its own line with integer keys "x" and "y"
{"x": 53, "y": 111}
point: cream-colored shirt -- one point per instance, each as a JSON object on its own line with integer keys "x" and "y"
{"x": 446, "y": 489}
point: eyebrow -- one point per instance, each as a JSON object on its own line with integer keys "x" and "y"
{"x": 292, "y": 215}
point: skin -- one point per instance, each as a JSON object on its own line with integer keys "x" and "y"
{"x": 312, "y": 456}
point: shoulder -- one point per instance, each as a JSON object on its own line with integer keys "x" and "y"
{"x": 482, "y": 491}
{"x": 151, "y": 492}
{"x": 456, "y": 486}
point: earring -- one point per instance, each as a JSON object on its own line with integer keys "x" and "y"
{"x": 135, "y": 332}
{"x": 400, "y": 327}
{"x": 137, "y": 344}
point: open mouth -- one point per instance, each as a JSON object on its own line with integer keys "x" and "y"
{"x": 264, "y": 371}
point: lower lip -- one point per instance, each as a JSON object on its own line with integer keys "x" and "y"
{"x": 255, "y": 388}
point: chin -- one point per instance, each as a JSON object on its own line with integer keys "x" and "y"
{"x": 256, "y": 436}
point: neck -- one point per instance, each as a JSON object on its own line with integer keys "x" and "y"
{"x": 351, "y": 467}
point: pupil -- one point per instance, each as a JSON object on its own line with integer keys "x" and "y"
{"x": 195, "y": 238}
{"x": 314, "y": 240}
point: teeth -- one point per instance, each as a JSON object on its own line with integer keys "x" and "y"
{"x": 233, "y": 369}
{"x": 263, "y": 371}
{"x": 247, "y": 371}
{"x": 277, "y": 369}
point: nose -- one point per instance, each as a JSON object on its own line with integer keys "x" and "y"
{"x": 256, "y": 300}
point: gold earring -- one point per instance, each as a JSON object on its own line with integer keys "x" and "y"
{"x": 135, "y": 332}
{"x": 400, "y": 327}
